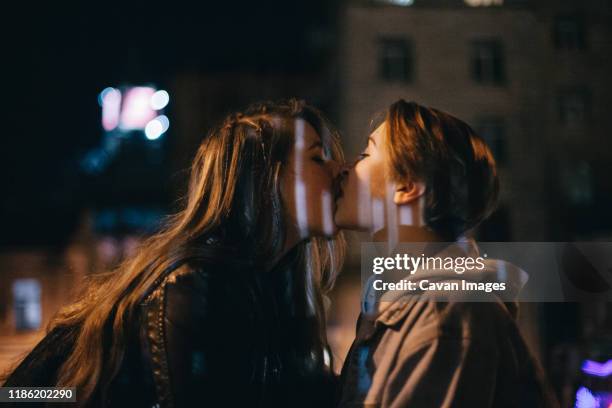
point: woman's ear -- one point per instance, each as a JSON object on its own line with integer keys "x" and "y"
{"x": 405, "y": 193}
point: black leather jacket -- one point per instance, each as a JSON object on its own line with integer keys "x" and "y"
{"x": 219, "y": 337}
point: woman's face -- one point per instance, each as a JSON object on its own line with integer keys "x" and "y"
{"x": 308, "y": 184}
{"x": 363, "y": 186}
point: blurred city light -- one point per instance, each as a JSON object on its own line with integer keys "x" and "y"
{"x": 95, "y": 161}
{"x": 157, "y": 127}
{"x": 27, "y": 307}
{"x": 109, "y": 221}
{"x": 595, "y": 391}
{"x": 160, "y": 99}
{"x": 110, "y": 101}
{"x": 484, "y": 3}
{"x": 137, "y": 111}
{"x": 402, "y": 2}
{"x": 597, "y": 369}
{"x": 127, "y": 110}
{"x": 585, "y": 399}
{"x": 103, "y": 94}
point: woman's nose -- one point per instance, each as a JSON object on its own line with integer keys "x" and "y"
{"x": 345, "y": 168}
{"x": 342, "y": 173}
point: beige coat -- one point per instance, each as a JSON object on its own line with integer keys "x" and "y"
{"x": 429, "y": 354}
{"x": 417, "y": 351}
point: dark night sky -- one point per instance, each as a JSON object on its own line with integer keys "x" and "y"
{"x": 58, "y": 57}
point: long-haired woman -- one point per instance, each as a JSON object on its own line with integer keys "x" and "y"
{"x": 225, "y": 305}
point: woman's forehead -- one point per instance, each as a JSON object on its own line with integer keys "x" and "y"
{"x": 310, "y": 133}
{"x": 305, "y": 134}
{"x": 301, "y": 129}
{"x": 296, "y": 124}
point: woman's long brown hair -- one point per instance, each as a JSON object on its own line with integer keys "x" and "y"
{"x": 233, "y": 195}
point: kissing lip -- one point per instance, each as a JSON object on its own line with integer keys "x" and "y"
{"x": 338, "y": 192}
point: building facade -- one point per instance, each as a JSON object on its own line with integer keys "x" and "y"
{"x": 530, "y": 77}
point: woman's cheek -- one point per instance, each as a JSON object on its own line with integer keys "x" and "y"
{"x": 363, "y": 179}
{"x": 321, "y": 201}
{"x": 320, "y": 178}
{"x": 375, "y": 174}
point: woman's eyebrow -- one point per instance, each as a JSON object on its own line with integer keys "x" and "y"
{"x": 371, "y": 139}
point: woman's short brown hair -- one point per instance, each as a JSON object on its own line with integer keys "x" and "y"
{"x": 446, "y": 154}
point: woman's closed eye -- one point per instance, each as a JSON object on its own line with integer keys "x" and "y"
{"x": 318, "y": 159}
{"x": 362, "y": 156}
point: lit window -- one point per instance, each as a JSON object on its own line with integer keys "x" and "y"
{"x": 569, "y": 33}
{"x": 488, "y": 62}
{"x": 578, "y": 185}
{"x": 493, "y": 131}
{"x": 573, "y": 106}
{"x": 26, "y": 304}
{"x": 484, "y": 3}
{"x": 403, "y": 3}
{"x": 396, "y": 60}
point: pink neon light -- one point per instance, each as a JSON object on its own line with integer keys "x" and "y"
{"x": 111, "y": 106}
{"x": 137, "y": 111}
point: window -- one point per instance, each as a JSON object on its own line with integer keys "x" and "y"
{"x": 573, "y": 106}
{"x": 26, "y": 304}
{"x": 403, "y": 3}
{"x": 569, "y": 33}
{"x": 484, "y": 3}
{"x": 396, "y": 61}
{"x": 487, "y": 62}
{"x": 577, "y": 183}
{"x": 493, "y": 131}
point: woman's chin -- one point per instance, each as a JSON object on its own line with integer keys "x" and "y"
{"x": 319, "y": 231}
{"x": 343, "y": 223}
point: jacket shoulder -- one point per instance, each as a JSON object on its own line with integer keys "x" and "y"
{"x": 183, "y": 297}
{"x": 173, "y": 320}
